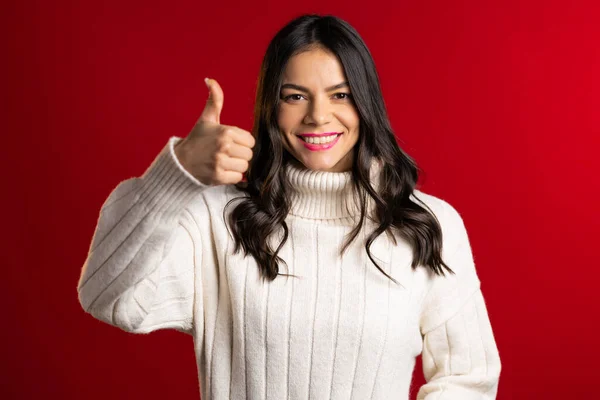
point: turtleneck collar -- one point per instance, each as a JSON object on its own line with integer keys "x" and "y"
{"x": 324, "y": 195}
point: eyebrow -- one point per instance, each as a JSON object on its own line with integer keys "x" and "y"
{"x": 303, "y": 89}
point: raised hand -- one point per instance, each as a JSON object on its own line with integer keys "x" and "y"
{"x": 213, "y": 153}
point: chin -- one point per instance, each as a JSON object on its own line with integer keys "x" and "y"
{"x": 321, "y": 163}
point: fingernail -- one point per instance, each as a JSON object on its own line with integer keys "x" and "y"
{"x": 207, "y": 83}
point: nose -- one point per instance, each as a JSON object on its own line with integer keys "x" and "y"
{"x": 319, "y": 112}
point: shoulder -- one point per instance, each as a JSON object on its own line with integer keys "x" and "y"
{"x": 441, "y": 208}
{"x": 433, "y": 203}
{"x": 212, "y": 200}
{"x": 449, "y": 218}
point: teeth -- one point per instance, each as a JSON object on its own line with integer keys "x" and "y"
{"x": 319, "y": 140}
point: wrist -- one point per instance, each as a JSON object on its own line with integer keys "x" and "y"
{"x": 180, "y": 152}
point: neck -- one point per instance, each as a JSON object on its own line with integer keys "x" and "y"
{"x": 323, "y": 195}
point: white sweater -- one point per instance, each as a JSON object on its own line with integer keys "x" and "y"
{"x": 161, "y": 257}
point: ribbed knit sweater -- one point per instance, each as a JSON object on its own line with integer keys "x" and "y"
{"x": 161, "y": 257}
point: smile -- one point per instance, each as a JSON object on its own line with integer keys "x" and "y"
{"x": 317, "y": 142}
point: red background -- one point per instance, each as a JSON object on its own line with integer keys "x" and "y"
{"x": 497, "y": 102}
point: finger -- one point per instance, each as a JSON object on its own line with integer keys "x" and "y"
{"x": 243, "y": 137}
{"x": 240, "y": 151}
{"x": 230, "y": 177}
{"x": 214, "y": 103}
{"x": 234, "y": 164}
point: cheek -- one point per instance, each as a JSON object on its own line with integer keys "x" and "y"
{"x": 285, "y": 128}
{"x": 280, "y": 120}
{"x": 286, "y": 120}
{"x": 350, "y": 119}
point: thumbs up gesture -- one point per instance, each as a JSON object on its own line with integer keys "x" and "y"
{"x": 213, "y": 153}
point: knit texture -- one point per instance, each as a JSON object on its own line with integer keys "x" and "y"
{"x": 162, "y": 258}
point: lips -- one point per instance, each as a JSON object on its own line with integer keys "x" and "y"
{"x": 318, "y": 136}
{"x": 312, "y": 134}
{"x": 312, "y": 137}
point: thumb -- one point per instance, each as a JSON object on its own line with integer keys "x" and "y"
{"x": 214, "y": 103}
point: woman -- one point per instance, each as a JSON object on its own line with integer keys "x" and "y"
{"x": 377, "y": 272}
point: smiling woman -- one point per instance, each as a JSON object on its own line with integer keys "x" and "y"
{"x": 382, "y": 271}
{"x": 319, "y": 120}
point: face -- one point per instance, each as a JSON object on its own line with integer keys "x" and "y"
{"x": 317, "y": 116}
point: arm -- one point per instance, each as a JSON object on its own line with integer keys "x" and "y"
{"x": 140, "y": 271}
{"x": 460, "y": 357}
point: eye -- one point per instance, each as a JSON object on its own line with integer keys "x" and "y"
{"x": 346, "y": 96}
{"x": 289, "y": 97}
{"x": 297, "y": 97}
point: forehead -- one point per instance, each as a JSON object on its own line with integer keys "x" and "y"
{"x": 315, "y": 67}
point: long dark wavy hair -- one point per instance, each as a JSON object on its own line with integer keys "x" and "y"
{"x": 266, "y": 203}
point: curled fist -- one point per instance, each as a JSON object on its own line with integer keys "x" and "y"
{"x": 213, "y": 153}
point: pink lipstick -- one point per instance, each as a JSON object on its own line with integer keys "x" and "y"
{"x": 319, "y": 134}
{"x": 319, "y": 146}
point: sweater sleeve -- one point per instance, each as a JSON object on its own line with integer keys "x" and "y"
{"x": 140, "y": 271}
{"x": 460, "y": 357}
